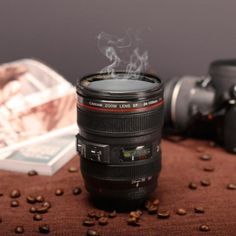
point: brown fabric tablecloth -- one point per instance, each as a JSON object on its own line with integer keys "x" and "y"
{"x": 180, "y": 166}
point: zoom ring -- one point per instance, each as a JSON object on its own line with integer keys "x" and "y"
{"x": 119, "y": 123}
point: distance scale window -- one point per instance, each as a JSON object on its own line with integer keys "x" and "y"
{"x": 137, "y": 153}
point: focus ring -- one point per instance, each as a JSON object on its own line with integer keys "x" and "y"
{"x": 120, "y": 171}
{"x": 118, "y": 123}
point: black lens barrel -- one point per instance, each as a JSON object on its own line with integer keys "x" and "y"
{"x": 120, "y": 124}
{"x": 114, "y": 126}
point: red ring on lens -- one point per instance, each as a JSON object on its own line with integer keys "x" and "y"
{"x": 122, "y": 109}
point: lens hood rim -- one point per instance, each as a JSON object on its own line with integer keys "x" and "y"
{"x": 146, "y": 93}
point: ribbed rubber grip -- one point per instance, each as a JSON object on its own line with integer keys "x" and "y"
{"x": 122, "y": 172}
{"x": 119, "y": 123}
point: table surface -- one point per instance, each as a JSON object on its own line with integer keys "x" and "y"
{"x": 181, "y": 165}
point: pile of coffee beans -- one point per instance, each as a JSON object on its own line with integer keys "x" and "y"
{"x": 97, "y": 217}
{"x": 134, "y": 218}
{"x": 152, "y": 206}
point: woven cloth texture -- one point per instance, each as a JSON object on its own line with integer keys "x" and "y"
{"x": 181, "y": 165}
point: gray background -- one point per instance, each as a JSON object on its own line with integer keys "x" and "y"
{"x": 182, "y": 36}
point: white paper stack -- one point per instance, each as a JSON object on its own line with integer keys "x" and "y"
{"x": 37, "y": 118}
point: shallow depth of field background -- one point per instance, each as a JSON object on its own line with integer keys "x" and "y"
{"x": 182, "y": 36}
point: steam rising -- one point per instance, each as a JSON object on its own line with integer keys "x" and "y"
{"x": 123, "y": 53}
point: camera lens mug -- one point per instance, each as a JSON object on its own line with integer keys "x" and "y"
{"x": 120, "y": 118}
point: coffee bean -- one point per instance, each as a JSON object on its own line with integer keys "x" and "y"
{"x": 103, "y": 221}
{"x": 205, "y": 157}
{"x": 37, "y": 217}
{"x": 156, "y": 202}
{"x": 163, "y": 214}
{"x": 92, "y": 232}
{"x": 100, "y": 214}
{"x": 212, "y": 144}
{"x": 199, "y": 210}
{"x": 112, "y": 214}
{"x": 192, "y": 186}
{"x": 19, "y": 230}
{"x": 134, "y": 214}
{"x": 59, "y": 192}
{"x": 231, "y": 186}
{"x": 40, "y": 198}
{"x": 32, "y": 173}
{"x": 15, "y": 193}
{"x": 88, "y": 222}
{"x": 15, "y": 203}
{"x": 133, "y": 221}
{"x": 200, "y": 149}
{"x": 148, "y": 204}
{"x": 209, "y": 168}
{"x": 139, "y": 212}
{"x": 73, "y": 169}
{"x": 204, "y": 228}
{"x": 152, "y": 209}
{"x": 32, "y": 210}
{"x": 44, "y": 229}
{"x": 205, "y": 183}
{"x": 47, "y": 204}
{"x": 77, "y": 191}
{"x": 42, "y": 210}
{"x": 181, "y": 212}
{"x": 92, "y": 214}
{"x": 30, "y": 199}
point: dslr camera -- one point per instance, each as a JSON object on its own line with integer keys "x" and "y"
{"x": 204, "y": 106}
